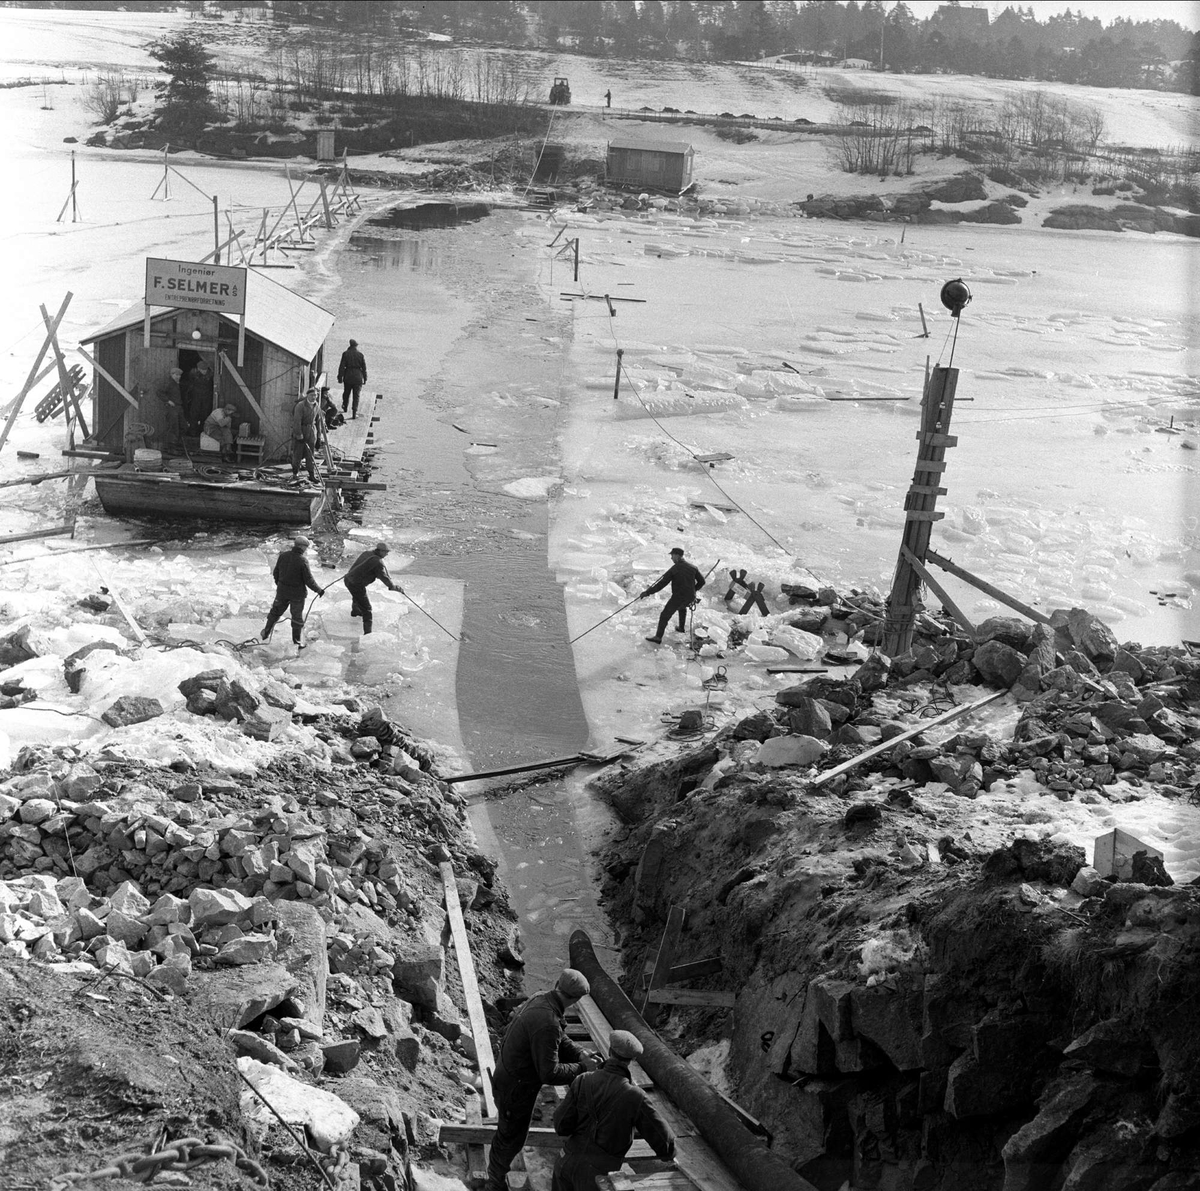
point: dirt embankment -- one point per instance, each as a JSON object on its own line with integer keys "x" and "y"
{"x": 915, "y": 1006}
{"x": 289, "y": 927}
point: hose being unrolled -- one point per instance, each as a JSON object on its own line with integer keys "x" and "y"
{"x": 747, "y": 1157}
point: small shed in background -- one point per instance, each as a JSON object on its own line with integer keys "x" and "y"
{"x": 325, "y": 144}
{"x": 659, "y": 165}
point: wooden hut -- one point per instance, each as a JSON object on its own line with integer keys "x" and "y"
{"x": 653, "y": 165}
{"x": 284, "y": 338}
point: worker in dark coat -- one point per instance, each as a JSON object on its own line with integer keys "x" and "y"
{"x": 367, "y": 567}
{"x": 352, "y": 375}
{"x": 293, "y": 579}
{"x": 535, "y": 1051}
{"x": 305, "y": 422}
{"x": 198, "y": 395}
{"x": 685, "y": 581}
{"x": 599, "y": 1116}
{"x": 171, "y": 396}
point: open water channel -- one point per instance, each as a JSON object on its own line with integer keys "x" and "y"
{"x": 437, "y": 308}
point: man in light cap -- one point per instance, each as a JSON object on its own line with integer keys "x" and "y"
{"x": 292, "y": 579}
{"x": 535, "y": 1051}
{"x": 599, "y": 1116}
{"x": 367, "y": 567}
{"x": 305, "y": 427}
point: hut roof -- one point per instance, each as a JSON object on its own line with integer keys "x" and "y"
{"x": 626, "y": 142}
{"x": 273, "y": 313}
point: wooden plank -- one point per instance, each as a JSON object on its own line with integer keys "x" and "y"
{"x": 931, "y": 439}
{"x": 575, "y": 759}
{"x": 662, "y": 961}
{"x": 923, "y": 515}
{"x": 120, "y": 603}
{"x": 37, "y": 533}
{"x": 538, "y": 1139}
{"x": 355, "y": 485}
{"x": 692, "y": 971}
{"x": 924, "y": 726}
{"x": 34, "y": 376}
{"x": 711, "y": 998}
{"x": 485, "y": 1060}
{"x": 926, "y": 490}
{"x": 938, "y": 590}
{"x": 112, "y": 380}
{"x": 241, "y": 384}
{"x": 929, "y": 467}
{"x": 938, "y": 560}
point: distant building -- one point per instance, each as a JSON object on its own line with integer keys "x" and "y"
{"x": 857, "y": 64}
{"x": 962, "y": 20}
{"x": 659, "y": 165}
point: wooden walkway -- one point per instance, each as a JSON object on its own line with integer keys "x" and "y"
{"x": 696, "y": 1166}
{"x": 352, "y": 440}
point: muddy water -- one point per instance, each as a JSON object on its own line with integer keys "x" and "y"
{"x": 469, "y": 358}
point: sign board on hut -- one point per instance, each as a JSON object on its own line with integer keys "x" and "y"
{"x": 194, "y": 285}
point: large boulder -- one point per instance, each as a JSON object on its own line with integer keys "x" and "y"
{"x": 15, "y": 648}
{"x": 233, "y": 998}
{"x": 132, "y": 709}
{"x": 1079, "y": 629}
{"x": 1033, "y": 1155}
{"x": 300, "y": 939}
{"x": 998, "y": 664}
{"x": 781, "y": 752}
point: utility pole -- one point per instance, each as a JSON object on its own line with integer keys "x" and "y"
{"x": 920, "y": 507}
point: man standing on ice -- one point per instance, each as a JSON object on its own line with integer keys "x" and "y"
{"x": 293, "y": 579}
{"x": 352, "y": 375}
{"x": 685, "y": 581}
{"x": 367, "y": 567}
{"x": 535, "y": 1051}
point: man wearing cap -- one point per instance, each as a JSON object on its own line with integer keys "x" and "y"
{"x": 685, "y": 581}
{"x": 367, "y": 567}
{"x": 219, "y": 427}
{"x": 304, "y": 435}
{"x": 352, "y": 375}
{"x": 535, "y": 1051}
{"x": 598, "y": 1117}
{"x": 292, "y": 579}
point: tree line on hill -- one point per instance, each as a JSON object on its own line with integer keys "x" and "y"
{"x": 1066, "y": 47}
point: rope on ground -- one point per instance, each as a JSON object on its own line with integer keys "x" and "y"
{"x": 707, "y": 471}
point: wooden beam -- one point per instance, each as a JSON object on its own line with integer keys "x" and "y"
{"x": 112, "y": 380}
{"x": 241, "y": 384}
{"x": 485, "y": 1060}
{"x": 354, "y": 485}
{"x": 952, "y": 568}
{"x": 37, "y": 533}
{"x": 713, "y": 998}
{"x": 34, "y": 376}
{"x": 66, "y": 382}
{"x": 552, "y": 764}
{"x": 883, "y": 747}
{"x": 120, "y": 603}
{"x": 80, "y": 549}
{"x": 538, "y": 1139}
{"x": 938, "y": 590}
{"x": 693, "y": 971}
{"x": 662, "y": 961}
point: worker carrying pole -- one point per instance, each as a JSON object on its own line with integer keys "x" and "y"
{"x": 685, "y": 580}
